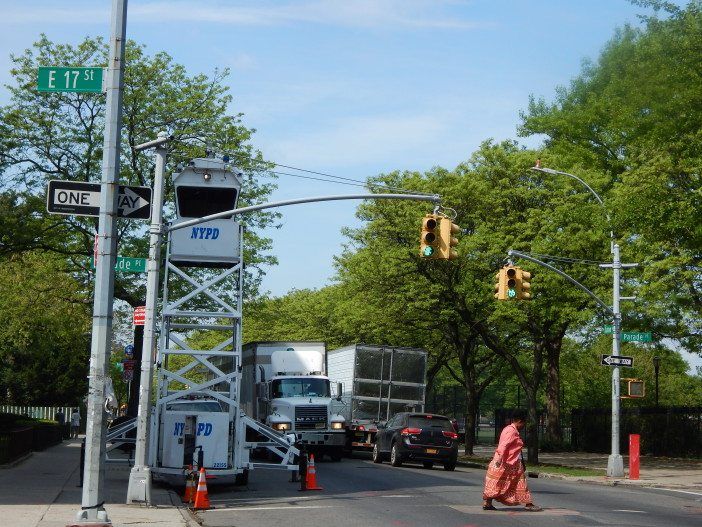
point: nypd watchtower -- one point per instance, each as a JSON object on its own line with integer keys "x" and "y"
{"x": 197, "y": 417}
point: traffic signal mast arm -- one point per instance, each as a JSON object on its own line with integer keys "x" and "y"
{"x": 228, "y": 213}
{"x": 564, "y": 275}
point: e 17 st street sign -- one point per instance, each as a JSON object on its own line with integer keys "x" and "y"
{"x": 83, "y": 199}
{"x": 59, "y": 79}
{"x": 617, "y": 360}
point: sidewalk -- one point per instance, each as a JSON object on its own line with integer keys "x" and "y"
{"x": 43, "y": 491}
{"x": 667, "y": 473}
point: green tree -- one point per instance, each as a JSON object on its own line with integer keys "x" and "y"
{"x": 60, "y": 136}
{"x": 44, "y": 324}
{"x": 633, "y": 118}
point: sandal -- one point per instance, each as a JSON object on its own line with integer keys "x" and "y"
{"x": 533, "y": 508}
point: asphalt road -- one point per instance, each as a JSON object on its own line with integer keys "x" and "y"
{"x": 360, "y": 493}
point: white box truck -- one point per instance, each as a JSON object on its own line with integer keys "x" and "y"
{"x": 284, "y": 385}
{"x": 377, "y": 382}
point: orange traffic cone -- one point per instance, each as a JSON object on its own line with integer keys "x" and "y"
{"x": 189, "y": 493}
{"x": 202, "y": 500}
{"x": 311, "y": 483}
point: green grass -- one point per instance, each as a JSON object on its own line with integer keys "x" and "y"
{"x": 566, "y": 471}
{"x": 545, "y": 468}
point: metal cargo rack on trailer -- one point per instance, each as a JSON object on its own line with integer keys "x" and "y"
{"x": 377, "y": 382}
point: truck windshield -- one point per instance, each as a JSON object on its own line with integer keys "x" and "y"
{"x": 299, "y": 388}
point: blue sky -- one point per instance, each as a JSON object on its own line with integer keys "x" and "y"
{"x": 351, "y": 87}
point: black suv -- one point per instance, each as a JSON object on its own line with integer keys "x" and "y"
{"x": 422, "y": 438}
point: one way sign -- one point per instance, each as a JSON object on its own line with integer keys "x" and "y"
{"x": 83, "y": 199}
{"x": 617, "y": 360}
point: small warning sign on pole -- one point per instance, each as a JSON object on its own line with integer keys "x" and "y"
{"x": 139, "y": 315}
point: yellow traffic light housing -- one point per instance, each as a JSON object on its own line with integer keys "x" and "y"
{"x": 523, "y": 285}
{"x": 430, "y": 240}
{"x": 636, "y": 389}
{"x": 512, "y": 284}
{"x": 500, "y": 286}
{"x": 511, "y": 274}
{"x": 448, "y": 241}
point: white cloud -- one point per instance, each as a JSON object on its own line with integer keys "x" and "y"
{"x": 350, "y": 13}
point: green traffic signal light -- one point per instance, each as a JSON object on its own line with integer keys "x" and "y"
{"x": 428, "y": 251}
{"x": 511, "y": 293}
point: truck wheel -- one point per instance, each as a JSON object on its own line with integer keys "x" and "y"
{"x": 428, "y": 465}
{"x": 337, "y": 454}
{"x": 450, "y": 466}
{"x": 377, "y": 456}
{"x": 242, "y": 479}
{"x": 395, "y": 456}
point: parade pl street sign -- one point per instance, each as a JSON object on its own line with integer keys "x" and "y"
{"x": 83, "y": 199}
{"x": 617, "y": 360}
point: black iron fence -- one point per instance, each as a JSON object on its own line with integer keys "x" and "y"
{"x": 671, "y": 432}
{"x": 19, "y": 436}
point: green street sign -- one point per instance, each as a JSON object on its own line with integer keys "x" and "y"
{"x": 608, "y": 330}
{"x": 58, "y": 79}
{"x": 637, "y": 337}
{"x": 126, "y": 265}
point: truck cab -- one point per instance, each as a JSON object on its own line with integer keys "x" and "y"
{"x": 292, "y": 394}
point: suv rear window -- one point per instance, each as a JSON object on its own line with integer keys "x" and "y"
{"x": 423, "y": 421}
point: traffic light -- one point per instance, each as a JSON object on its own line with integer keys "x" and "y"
{"x": 511, "y": 282}
{"x": 500, "y": 286}
{"x": 430, "y": 237}
{"x": 447, "y": 230}
{"x": 523, "y": 285}
{"x": 506, "y": 286}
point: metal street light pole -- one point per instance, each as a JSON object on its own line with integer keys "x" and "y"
{"x": 615, "y": 463}
{"x": 139, "y": 488}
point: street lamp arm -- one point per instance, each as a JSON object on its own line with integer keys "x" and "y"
{"x": 582, "y": 182}
{"x": 564, "y": 275}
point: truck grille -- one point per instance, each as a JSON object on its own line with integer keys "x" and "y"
{"x": 309, "y": 417}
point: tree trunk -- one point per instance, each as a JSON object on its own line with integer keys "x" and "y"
{"x": 471, "y": 411}
{"x": 554, "y": 432}
{"x": 532, "y": 428}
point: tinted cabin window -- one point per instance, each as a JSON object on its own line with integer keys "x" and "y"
{"x": 196, "y": 202}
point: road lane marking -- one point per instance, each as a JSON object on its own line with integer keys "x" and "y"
{"x": 288, "y": 508}
{"x": 629, "y": 510}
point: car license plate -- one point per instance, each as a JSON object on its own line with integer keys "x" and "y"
{"x": 432, "y": 451}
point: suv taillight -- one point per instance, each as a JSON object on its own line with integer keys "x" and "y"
{"x": 411, "y": 431}
{"x": 451, "y": 435}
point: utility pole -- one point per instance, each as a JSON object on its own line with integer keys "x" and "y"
{"x": 92, "y": 508}
{"x": 615, "y": 464}
{"x": 139, "y": 489}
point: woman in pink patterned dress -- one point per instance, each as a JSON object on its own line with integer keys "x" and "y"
{"x": 505, "y": 480}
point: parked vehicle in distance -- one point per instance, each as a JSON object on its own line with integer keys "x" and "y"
{"x": 417, "y": 438}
